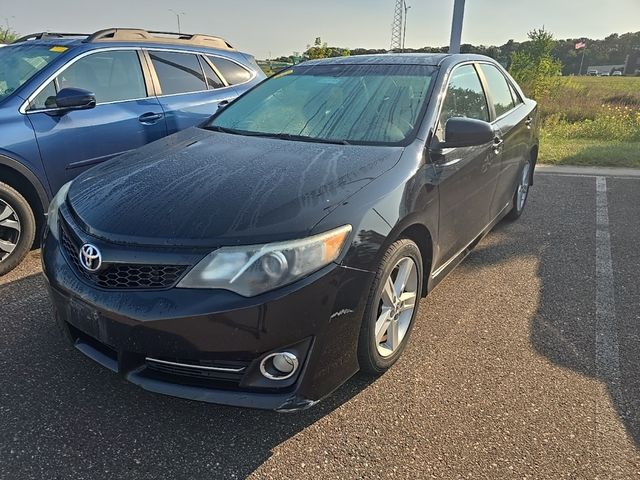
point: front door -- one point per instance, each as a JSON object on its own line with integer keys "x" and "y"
{"x": 125, "y": 116}
{"x": 467, "y": 177}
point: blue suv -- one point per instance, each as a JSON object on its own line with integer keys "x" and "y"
{"x": 71, "y": 101}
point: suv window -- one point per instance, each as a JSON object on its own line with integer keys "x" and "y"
{"x": 213, "y": 80}
{"x": 112, "y": 76}
{"x": 464, "y": 98}
{"x": 231, "y": 71}
{"x": 178, "y": 72}
{"x": 499, "y": 88}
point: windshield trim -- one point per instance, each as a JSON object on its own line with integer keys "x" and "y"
{"x": 408, "y": 140}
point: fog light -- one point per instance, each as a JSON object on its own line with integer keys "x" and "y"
{"x": 279, "y": 366}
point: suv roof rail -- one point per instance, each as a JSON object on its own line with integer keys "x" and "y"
{"x": 44, "y": 35}
{"x": 136, "y": 34}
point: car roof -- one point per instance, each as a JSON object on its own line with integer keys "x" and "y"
{"x": 127, "y": 36}
{"x": 431, "y": 59}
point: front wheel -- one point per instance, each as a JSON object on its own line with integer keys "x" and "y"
{"x": 17, "y": 228}
{"x": 391, "y": 307}
{"x": 522, "y": 192}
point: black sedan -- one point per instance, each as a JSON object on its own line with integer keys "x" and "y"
{"x": 264, "y": 257}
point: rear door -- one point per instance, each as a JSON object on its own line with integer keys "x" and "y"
{"x": 125, "y": 117}
{"x": 513, "y": 124}
{"x": 467, "y": 176}
{"x": 189, "y": 87}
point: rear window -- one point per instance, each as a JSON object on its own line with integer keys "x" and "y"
{"x": 231, "y": 71}
{"x": 20, "y": 62}
{"x": 178, "y": 72}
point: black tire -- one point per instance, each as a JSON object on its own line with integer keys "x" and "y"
{"x": 517, "y": 209}
{"x": 371, "y": 361}
{"x": 27, "y": 224}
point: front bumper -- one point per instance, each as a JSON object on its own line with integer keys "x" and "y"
{"x": 318, "y": 317}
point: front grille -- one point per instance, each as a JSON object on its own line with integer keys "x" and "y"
{"x": 201, "y": 372}
{"x": 121, "y": 275}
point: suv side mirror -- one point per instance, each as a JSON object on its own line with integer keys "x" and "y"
{"x": 75, "y": 99}
{"x": 467, "y": 132}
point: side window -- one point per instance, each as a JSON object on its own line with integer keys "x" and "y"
{"x": 464, "y": 98}
{"x": 213, "y": 80}
{"x": 516, "y": 97}
{"x": 231, "y": 71}
{"x": 112, "y": 76}
{"x": 46, "y": 98}
{"x": 499, "y": 89}
{"x": 178, "y": 72}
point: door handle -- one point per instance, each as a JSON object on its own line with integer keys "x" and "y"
{"x": 223, "y": 104}
{"x": 528, "y": 122}
{"x": 150, "y": 118}
{"x": 497, "y": 144}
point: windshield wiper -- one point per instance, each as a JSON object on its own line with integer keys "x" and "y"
{"x": 216, "y": 128}
{"x": 281, "y": 136}
{"x": 296, "y": 138}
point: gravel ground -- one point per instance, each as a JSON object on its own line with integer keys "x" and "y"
{"x": 501, "y": 379}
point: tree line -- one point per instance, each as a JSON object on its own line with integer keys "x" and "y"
{"x": 612, "y": 50}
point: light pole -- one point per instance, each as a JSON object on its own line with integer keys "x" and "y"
{"x": 177, "y": 14}
{"x": 456, "y": 26}
{"x": 404, "y": 28}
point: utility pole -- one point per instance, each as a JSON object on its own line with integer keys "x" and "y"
{"x": 177, "y": 14}
{"x": 456, "y": 26}
{"x": 404, "y": 28}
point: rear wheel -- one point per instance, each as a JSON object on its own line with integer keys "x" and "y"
{"x": 17, "y": 228}
{"x": 391, "y": 307}
{"x": 522, "y": 192}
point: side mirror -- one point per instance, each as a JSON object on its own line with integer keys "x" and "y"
{"x": 75, "y": 99}
{"x": 467, "y": 132}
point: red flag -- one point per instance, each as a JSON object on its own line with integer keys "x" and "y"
{"x": 581, "y": 45}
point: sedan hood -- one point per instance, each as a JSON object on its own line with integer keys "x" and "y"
{"x": 203, "y": 188}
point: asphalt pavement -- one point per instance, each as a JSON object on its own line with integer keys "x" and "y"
{"x": 523, "y": 364}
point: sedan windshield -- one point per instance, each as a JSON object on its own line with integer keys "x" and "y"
{"x": 18, "y": 63}
{"x": 354, "y": 104}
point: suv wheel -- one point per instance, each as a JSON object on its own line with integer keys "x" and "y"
{"x": 17, "y": 228}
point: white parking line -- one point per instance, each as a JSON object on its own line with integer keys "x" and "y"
{"x": 607, "y": 352}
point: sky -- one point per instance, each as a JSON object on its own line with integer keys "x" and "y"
{"x": 270, "y": 28}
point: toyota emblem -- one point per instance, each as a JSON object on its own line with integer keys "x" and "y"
{"x": 90, "y": 257}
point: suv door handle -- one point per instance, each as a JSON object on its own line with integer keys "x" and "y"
{"x": 150, "y": 118}
{"x": 528, "y": 122}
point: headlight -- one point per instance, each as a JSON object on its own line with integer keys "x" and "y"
{"x": 54, "y": 209}
{"x": 255, "y": 269}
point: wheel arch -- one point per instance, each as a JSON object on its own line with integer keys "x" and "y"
{"x": 25, "y": 182}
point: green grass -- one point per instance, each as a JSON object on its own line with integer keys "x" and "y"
{"x": 592, "y": 121}
{"x": 593, "y": 153}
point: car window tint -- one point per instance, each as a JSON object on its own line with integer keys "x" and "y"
{"x": 112, "y": 76}
{"x": 464, "y": 98}
{"x": 231, "y": 71}
{"x": 213, "y": 80}
{"x": 499, "y": 89}
{"x": 516, "y": 97}
{"x": 45, "y": 99}
{"x": 178, "y": 72}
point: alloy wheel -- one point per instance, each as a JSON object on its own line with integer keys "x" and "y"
{"x": 10, "y": 230}
{"x": 523, "y": 186}
{"x": 396, "y": 306}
